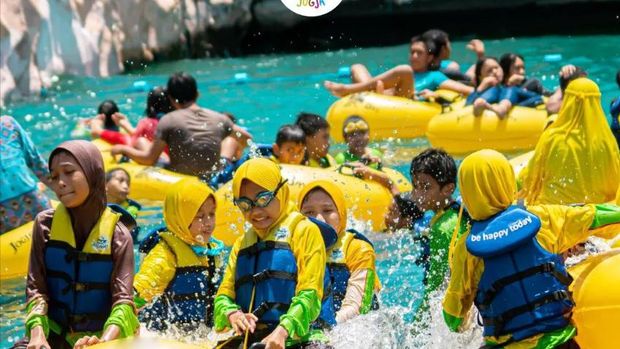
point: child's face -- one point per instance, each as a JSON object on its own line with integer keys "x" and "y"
{"x": 204, "y": 222}
{"x": 117, "y": 188}
{"x": 68, "y": 180}
{"x": 318, "y": 144}
{"x": 419, "y": 57}
{"x": 260, "y": 217}
{"x": 290, "y": 152}
{"x": 518, "y": 67}
{"x": 318, "y": 204}
{"x": 491, "y": 68}
{"x": 428, "y": 194}
{"x": 357, "y": 140}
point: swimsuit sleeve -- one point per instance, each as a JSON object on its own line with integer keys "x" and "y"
{"x": 121, "y": 283}
{"x": 309, "y": 250}
{"x": 466, "y": 271}
{"x": 437, "y": 78}
{"x": 362, "y": 283}
{"x": 562, "y": 227}
{"x": 155, "y": 273}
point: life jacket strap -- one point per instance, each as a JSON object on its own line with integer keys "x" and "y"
{"x": 266, "y": 306}
{"x": 264, "y": 246}
{"x": 76, "y": 286}
{"x": 500, "y": 321}
{"x": 497, "y": 286}
{"x": 264, "y": 275}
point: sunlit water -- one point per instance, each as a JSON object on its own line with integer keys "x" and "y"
{"x": 277, "y": 88}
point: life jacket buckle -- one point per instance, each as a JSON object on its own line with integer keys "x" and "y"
{"x": 561, "y": 295}
{"x": 261, "y": 276}
{"x": 80, "y": 287}
{"x": 548, "y": 267}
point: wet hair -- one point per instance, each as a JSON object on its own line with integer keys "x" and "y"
{"x": 435, "y": 163}
{"x": 108, "y": 108}
{"x": 182, "y": 87}
{"x": 230, "y": 116}
{"x": 350, "y": 119}
{"x": 565, "y": 80}
{"x": 478, "y": 69}
{"x": 110, "y": 174}
{"x": 439, "y": 37}
{"x": 290, "y": 133}
{"x": 311, "y": 123}
{"x": 506, "y": 61}
{"x": 157, "y": 103}
{"x": 431, "y": 48}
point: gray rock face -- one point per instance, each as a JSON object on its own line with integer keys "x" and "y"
{"x": 43, "y": 38}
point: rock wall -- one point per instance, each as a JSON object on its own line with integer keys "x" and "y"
{"x": 43, "y": 38}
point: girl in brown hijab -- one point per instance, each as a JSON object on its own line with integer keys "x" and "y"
{"x": 80, "y": 276}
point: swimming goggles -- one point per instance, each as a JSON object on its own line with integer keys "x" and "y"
{"x": 356, "y": 126}
{"x": 263, "y": 199}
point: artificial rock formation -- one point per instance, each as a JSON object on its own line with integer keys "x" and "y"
{"x": 43, "y": 38}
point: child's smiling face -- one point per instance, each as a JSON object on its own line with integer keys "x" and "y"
{"x": 68, "y": 180}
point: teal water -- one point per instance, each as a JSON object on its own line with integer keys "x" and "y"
{"x": 277, "y": 88}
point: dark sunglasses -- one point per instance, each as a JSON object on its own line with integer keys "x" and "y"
{"x": 263, "y": 199}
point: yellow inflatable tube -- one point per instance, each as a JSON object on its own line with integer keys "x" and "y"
{"x": 15, "y": 250}
{"x": 460, "y": 132}
{"x": 387, "y": 116}
{"x": 148, "y": 343}
{"x": 366, "y": 200}
{"x": 596, "y": 291}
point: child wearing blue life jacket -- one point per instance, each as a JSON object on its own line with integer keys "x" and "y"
{"x": 508, "y": 262}
{"x": 352, "y": 281}
{"x": 180, "y": 274}
{"x": 273, "y": 285}
{"x": 491, "y": 95}
{"x": 79, "y": 286}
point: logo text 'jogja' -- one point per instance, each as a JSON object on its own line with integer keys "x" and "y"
{"x": 311, "y": 3}
{"x": 311, "y": 8}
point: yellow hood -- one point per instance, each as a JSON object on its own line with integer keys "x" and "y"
{"x": 577, "y": 158}
{"x": 487, "y": 183}
{"x": 266, "y": 174}
{"x": 182, "y": 202}
{"x": 334, "y": 192}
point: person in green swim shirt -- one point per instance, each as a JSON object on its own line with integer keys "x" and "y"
{"x": 433, "y": 174}
{"x": 355, "y": 131}
{"x": 117, "y": 185}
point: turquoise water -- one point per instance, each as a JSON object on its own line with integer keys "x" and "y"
{"x": 277, "y": 88}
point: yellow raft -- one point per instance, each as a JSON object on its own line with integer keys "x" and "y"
{"x": 596, "y": 291}
{"x": 387, "y": 116}
{"x": 148, "y": 343}
{"x": 15, "y": 250}
{"x": 366, "y": 200}
{"x": 460, "y": 132}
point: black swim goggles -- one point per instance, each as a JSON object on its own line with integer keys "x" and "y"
{"x": 263, "y": 199}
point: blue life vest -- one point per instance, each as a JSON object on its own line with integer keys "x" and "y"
{"x": 523, "y": 290}
{"x": 270, "y": 267}
{"x": 188, "y": 298}
{"x": 336, "y": 280}
{"x": 78, "y": 281}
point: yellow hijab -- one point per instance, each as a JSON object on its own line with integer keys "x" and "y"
{"x": 182, "y": 202}
{"x": 487, "y": 183}
{"x": 266, "y": 174}
{"x": 335, "y": 193}
{"x": 577, "y": 158}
